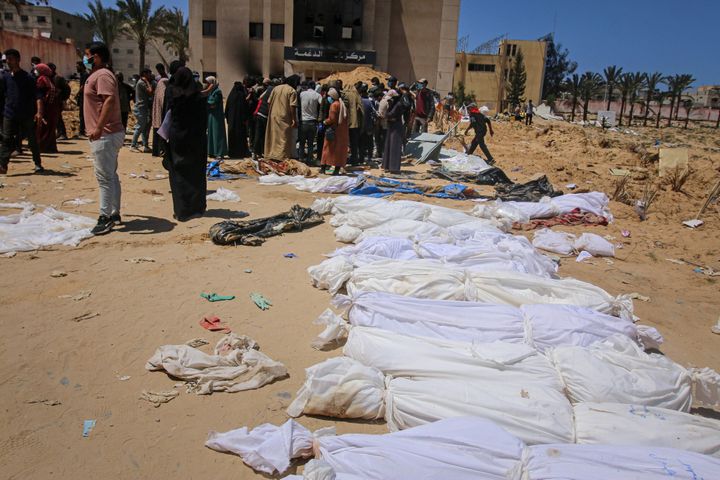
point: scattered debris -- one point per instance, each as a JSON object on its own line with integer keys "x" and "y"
{"x": 214, "y": 324}
{"x": 224, "y": 195}
{"x": 290, "y": 255}
{"x": 709, "y": 271}
{"x": 151, "y": 192}
{"x": 571, "y": 186}
{"x": 77, "y": 201}
{"x": 619, "y": 172}
{"x": 45, "y": 401}
{"x": 716, "y": 328}
{"x": 141, "y": 260}
{"x": 123, "y": 378}
{"x": 637, "y": 296}
{"x": 625, "y": 233}
{"x": 9, "y": 254}
{"x": 58, "y": 274}
{"x": 197, "y": 342}
{"x": 214, "y": 297}
{"x": 694, "y": 223}
{"x": 158, "y": 398}
{"x": 80, "y": 296}
{"x": 584, "y": 255}
{"x": 85, "y": 316}
{"x": 261, "y": 302}
{"x": 135, "y": 175}
{"x": 248, "y": 270}
{"x": 88, "y": 425}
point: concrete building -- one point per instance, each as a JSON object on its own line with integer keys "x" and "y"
{"x": 407, "y": 38}
{"x": 707, "y": 96}
{"x": 486, "y": 75}
{"x": 50, "y": 22}
{"x": 126, "y": 56}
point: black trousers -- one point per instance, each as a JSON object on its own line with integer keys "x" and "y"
{"x": 528, "y": 119}
{"x": 259, "y": 142}
{"x": 320, "y": 141}
{"x": 380, "y": 134}
{"x": 11, "y": 131}
{"x": 124, "y": 119}
{"x": 61, "y": 130}
{"x": 306, "y": 137}
{"x": 479, "y": 141}
{"x": 366, "y": 146}
{"x": 354, "y": 146}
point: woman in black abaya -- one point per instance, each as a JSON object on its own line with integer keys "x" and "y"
{"x": 186, "y": 155}
{"x": 237, "y": 113}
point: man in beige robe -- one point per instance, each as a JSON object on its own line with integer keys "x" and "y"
{"x": 282, "y": 118}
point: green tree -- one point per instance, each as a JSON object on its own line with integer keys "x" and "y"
{"x": 651, "y": 82}
{"x": 636, "y": 81}
{"x": 660, "y": 97}
{"x": 625, "y": 84}
{"x": 687, "y": 103}
{"x": 591, "y": 84}
{"x": 105, "y": 22}
{"x": 685, "y": 81}
{"x": 557, "y": 67}
{"x": 677, "y": 84}
{"x": 142, "y": 23}
{"x": 572, "y": 86}
{"x": 612, "y": 75}
{"x": 517, "y": 79}
{"x": 462, "y": 97}
{"x": 176, "y": 34}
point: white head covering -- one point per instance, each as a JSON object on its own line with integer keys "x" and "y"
{"x": 332, "y": 93}
{"x": 211, "y": 80}
{"x": 484, "y": 109}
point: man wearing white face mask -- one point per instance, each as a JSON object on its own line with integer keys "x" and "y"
{"x": 101, "y": 105}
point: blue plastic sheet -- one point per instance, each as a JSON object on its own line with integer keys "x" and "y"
{"x": 378, "y": 187}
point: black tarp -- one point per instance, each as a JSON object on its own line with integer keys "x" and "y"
{"x": 254, "y": 232}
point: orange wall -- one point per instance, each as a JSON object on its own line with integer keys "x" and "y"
{"x": 62, "y": 54}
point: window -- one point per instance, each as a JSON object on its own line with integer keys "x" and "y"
{"x": 209, "y": 28}
{"x": 130, "y": 65}
{"x": 8, "y": 16}
{"x": 68, "y": 25}
{"x": 256, "y": 30}
{"x": 116, "y": 50}
{"x": 318, "y": 31}
{"x": 24, "y": 18}
{"x": 129, "y": 51}
{"x": 58, "y": 21}
{"x": 277, "y": 31}
{"x": 510, "y": 49}
{"x": 481, "y": 67}
{"x": 41, "y": 19}
{"x": 347, "y": 33}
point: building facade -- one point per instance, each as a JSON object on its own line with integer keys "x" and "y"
{"x": 707, "y": 96}
{"x": 486, "y": 75}
{"x": 409, "y": 39}
{"x": 50, "y": 22}
{"x": 126, "y": 56}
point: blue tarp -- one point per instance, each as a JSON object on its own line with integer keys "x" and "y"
{"x": 378, "y": 187}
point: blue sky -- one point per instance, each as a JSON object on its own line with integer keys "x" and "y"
{"x": 668, "y": 36}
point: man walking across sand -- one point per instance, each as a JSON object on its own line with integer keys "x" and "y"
{"x": 101, "y": 105}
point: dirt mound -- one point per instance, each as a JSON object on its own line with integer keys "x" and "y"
{"x": 360, "y": 74}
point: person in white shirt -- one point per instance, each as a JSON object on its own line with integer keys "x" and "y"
{"x": 310, "y": 101}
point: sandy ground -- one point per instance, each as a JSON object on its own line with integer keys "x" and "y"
{"x": 47, "y": 356}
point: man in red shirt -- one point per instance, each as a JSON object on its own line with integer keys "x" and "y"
{"x": 424, "y": 107}
{"x": 101, "y": 109}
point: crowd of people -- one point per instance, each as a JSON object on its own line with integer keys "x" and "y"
{"x": 332, "y": 126}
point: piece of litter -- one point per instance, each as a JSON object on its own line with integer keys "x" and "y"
{"x": 571, "y": 186}
{"x": 584, "y": 255}
{"x": 58, "y": 274}
{"x": 214, "y": 324}
{"x": 619, "y": 245}
{"x": 80, "y": 296}
{"x": 619, "y": 172}
{"x": 637, "y": 296}
{"x": 214, "y": 297}
{"x": 261, "y": 302}
{"x": 224, "y": 195}
{"x": 123, "y": 378}
{"x": 694, "y": 223}
{"x": 141, "y": 260}
{"x": 49, "y": 403}
{"x": 716, "y": 328}
{"x": 159, "y": 176}
{"x": 290, "y": 255}
{"x": 676, "y": 261}
{"x": 158, "y": 398}
{"x": 609, "y": 262}
{"x": 135, "y": 175}
{"x": 516, "y": 169}
{"x": 85, "y": 316}
{"x": 248, "y": 270}
{"x": 197, "y": 342}
{"x": 88, "y": 425}
{"x": 625, "y": 233}
{"x": 77, "y": 201}
{"x": 9, "y": 254}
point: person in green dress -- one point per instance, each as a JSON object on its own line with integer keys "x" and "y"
{"x": 217, "y": 139}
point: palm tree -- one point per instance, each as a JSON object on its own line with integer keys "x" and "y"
{"x": 636, "y": 81}
{"x": 572, "y": 86}
{"x": 591, "y": 84}
{"x": 625, "y": 86}
{"x": 612, "y": 75}
{"x": 652, "y": 80}
{"x": 660, "y": 97}
{"x": 684, "y": 82}
{"x": 105, "y": 22}
{"x": 176, "y": 34}
{"x": 141, "y": 23}
{"x": 688, "y": 105}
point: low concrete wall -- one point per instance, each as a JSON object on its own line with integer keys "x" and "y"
{"x": 63, "y": 55}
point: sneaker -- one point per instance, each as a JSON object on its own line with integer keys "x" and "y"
{"x": 147, "y": 150}
{"x": 38, "y": 169}
{"x": 134, "y": 149}
{"x": 115, "y": 217}
{"x": 104, "y": 225}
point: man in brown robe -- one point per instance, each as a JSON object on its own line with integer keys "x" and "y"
{"x": 282, "y": 118}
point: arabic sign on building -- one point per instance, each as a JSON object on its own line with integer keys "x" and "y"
{"x": 329, "y": 55}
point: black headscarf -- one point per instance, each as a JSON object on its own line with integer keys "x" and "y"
{"x": 182, "y": 83}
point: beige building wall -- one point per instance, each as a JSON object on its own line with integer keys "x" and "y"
{"x": 411, "y": 39}
{"x": 486, "y": 75}
{"x": 51, "y": 22}
{"x": 126, "y": 56}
